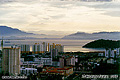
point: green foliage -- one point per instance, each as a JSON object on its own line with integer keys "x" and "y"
{"x": 101, "y": 43}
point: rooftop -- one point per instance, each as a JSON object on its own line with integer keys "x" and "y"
{"x": 28, "y": 68}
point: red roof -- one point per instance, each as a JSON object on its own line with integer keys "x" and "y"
{"x": 62, "y": 69}
{"x": 53, "y": 68}
{"x": 52, "y": 71}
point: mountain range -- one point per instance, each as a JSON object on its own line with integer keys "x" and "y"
{"x": 6, "y": 31}
{"x": 94, "y": 36}
{"x": 13, "y": 33}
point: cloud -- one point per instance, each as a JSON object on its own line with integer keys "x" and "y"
{"x": 58, "y": 16}
{"x": 113, "y": 13}
{"x": 55, "y": 15}
{"x": 109, "y": 8}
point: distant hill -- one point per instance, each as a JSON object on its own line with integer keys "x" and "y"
{"x": 101, "y": 43}
{"x": 8, "y": 31}
{"x": 94, "y": 36}
{"x": 13, "y": 33}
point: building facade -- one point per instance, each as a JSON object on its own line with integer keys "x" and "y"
{"x": 113, "y": 53}
{"x": 70, "y": 61}
{"x": 46, "y": 61}
{"x": 61, "y": 60}
{"x": 37, "y": 48}
{"x": 28, "y": 71}
{"x": 11, "y": 61}
{"x": 117, "y": 52}
{"x": 25, "y": 48}
{"x": 44, "y": 46}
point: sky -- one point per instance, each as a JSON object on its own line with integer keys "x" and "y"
{"x": 55, "y": 17}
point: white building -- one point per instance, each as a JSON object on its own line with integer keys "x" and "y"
{"x": 117, "y": 52}
{"x": 41, "y": 48}
{"x": 107, "y": 53}
{"x": 44, "y": 46}
{"x": 28, "y": 71}
{"x": 25, "y": 48}
{"x": 61, "y": 60}
{"x": 22, "y": 59}
{"x": 31, "y": 64}
{"x": 54, "y": 52}
{"x": 70, "y": 61}
{"x": 100, "y": 54}
{"x": 36, "y": 62}
{"x": 111, "y": 53}
{"x": 110, "y": 61}
{"x": 59, "y": 47}
{"x": 11, "y": 60}
{"x": 46, "y": 61}
{"x": 37, "y": 48}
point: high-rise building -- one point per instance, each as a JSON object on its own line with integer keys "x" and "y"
{"x": 59, "y": 47}
{"x": 38, "y": 48}
{"x": 41, "y": 48}
{"x": 44, "y": 46}
{"x": 62, "y": 60}
{"x": 48, "y": 47}
{"x": 54, "y": 53}
{"x": 55, "y": 49}
{"x": 51, "y": 48}
{"x": 117, "y": 52}
{"x": 25, "y": 48}
{"x": 107, "y": 53}
{"x": 53, "y": 45}
{"x": 11, "y": 60}
{"x": 2, "y": 44}
{"x": 112, "y": 54}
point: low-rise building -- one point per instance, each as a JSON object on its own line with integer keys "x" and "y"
{"x": 61, "y": 71}
{"x": 62, "y": 62}
{"x": 28, "y": 71}
{"x": 70, "y": 61}
{"x": 110, "y": 61}
{"x": 31, "y": 64}
{"x": 113, "y": 53}
{"x": 55, "y": 63}
{"x": 46, "y": 61}
{"x": 101, "y": 54}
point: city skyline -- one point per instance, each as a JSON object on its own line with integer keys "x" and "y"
{"x": 60, "y": 16}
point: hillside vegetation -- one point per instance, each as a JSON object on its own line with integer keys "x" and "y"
{"x": 101, "y": 43}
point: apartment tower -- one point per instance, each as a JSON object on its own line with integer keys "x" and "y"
{"x": 11, "y": 61}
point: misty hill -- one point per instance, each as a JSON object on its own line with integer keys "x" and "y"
{"x": 94, "y": 36}
{"x": 13, "y": 33}
{"x": 8, "y": 31}
{"x": 103, "y": 44}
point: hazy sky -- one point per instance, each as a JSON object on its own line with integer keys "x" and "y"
{"x": 42, "y": 16}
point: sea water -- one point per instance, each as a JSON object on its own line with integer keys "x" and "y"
{"x": 69, "y": 45}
